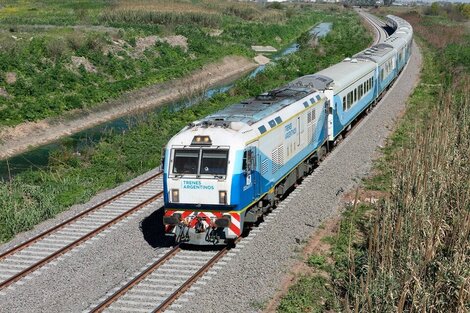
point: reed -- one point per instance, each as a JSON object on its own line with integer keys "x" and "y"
{"x": 437, "y": 34}
{"x": 417, "y": 245}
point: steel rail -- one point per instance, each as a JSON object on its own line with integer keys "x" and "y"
{"x": 74, "y": 218}
{"x": 75, "y": 243}
{"x": 115, "y": 296}
{"x": 154, "y": 267}
{"x": 188, "y": 283}
{"x": 375, "y": 23}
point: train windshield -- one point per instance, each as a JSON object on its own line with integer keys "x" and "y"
{"x": 214, "y": 162}
{"x": 200, "y": 161}
{"x": 186, "y": 161}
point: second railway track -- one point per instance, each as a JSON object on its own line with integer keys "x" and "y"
{"x": 377, "y": 24}
{"x": 38, "y": 251}
{"x": 162, "y": 282}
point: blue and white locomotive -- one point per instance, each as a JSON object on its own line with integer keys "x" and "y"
{"x": 225, "y": 171}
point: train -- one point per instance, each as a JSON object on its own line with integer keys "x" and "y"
{"x": 222, "y": 173}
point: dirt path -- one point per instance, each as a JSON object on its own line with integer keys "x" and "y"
{"x": 23, "y": 137}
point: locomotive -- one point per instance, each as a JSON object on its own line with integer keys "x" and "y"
{"x": 225, "y": 171}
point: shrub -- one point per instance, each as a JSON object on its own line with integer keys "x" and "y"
{"x": 56, "y": 48}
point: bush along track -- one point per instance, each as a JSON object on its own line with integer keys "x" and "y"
{"x": 74, "y": 177}
{"x": 408, "y": 252}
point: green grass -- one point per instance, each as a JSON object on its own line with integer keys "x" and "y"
{"x": 310, "y": 294}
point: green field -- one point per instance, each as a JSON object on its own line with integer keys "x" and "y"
{"x": 63, "y": 56}
{"x": 410, "y": 251}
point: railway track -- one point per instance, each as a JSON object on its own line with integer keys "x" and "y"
{"x": 162, "y": 282}
{"x": 377, "y": 24}
{"x": 40, "y": 250}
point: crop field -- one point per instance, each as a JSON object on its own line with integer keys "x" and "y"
{"x": 58, "y": 57}
{"x": 75, "y": 176}
{"x": 409, "y": 252}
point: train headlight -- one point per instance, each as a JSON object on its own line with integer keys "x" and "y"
{"x": 201, "y": 140}
{"x": 222, "y": 197}
{"x": 175, "y": 195}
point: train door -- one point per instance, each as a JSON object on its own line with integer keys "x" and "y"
{"x": 256, "y": 170}
{"x": 250, "y": 168}
{"x": 299, "y": 138}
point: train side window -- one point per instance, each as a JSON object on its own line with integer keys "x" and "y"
{"x": 355, "y": 95}
{"x": 344, "y": 104}
{"x": 248, "y": 161}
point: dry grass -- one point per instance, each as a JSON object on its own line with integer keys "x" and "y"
{"x": 163, "y": 6}
{"x": 438, "y": 35}
{"x": 206, "y": 8}
{"x": 418, "y": 245}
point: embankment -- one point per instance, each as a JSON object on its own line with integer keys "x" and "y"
{"x": 18, "y": 139}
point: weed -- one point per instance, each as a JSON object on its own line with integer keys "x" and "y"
{"x": 309, "y": 294}
{"x": 317, "y": 261}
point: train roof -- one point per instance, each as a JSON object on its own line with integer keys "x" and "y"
{"x": 340, "y": 76}
{"x": 377, "y": 53}
{"x": 255, "y": 109}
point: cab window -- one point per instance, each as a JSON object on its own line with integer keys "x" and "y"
{"x": 186, "y": 161}
{"x": 214, "y": 162}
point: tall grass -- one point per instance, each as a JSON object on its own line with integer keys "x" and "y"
{"x": 418, "y": 242}
{"x": 437, "y": 34}
{"x": 160, "y": 18}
